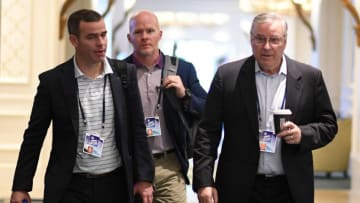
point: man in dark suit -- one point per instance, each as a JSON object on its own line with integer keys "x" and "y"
{"x": 169, "y": 145}
{"x": 99, "y": 149}
{"x": 242, "y": 98}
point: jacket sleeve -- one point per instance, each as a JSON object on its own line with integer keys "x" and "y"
{"x": 143, "y": 163}
{"x": 208, "y": 136}
{"x": 33, "y": 139}
{"x": 190, "y": 80}
{"x": 323, "y": 127}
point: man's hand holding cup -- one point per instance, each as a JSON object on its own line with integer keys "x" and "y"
{"x": 286, "y": 129}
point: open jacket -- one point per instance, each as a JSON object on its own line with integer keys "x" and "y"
{"x": 56, "y": 102}
{"x": 232, "y": 106}
{"x": 174, "y": 125}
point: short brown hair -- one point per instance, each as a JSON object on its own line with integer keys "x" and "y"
{"x": 86, "y": 15}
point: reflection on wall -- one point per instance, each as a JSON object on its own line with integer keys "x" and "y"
{"x": 205, "y": 52}
{"x": 15, "y": 41}
{"x": 356, "y": 17}
{"x": 205, "y": 55}
{"x": 0, "y": 32}
{"x": 278, "y": 6}
{"x": 186, "y": 19}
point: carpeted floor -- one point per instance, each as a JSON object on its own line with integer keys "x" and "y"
{"x": 321, "y": 182}
{"x": 332, "y": 181}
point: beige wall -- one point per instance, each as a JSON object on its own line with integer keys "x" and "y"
{"x": 355, "y": 155}
{"x": 29, "y": 45}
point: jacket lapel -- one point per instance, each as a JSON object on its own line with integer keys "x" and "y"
{"x": 118, "y": 94}
{"x": 293, "y": 86}
{"x": 247, "y": 84}
{"x": 248, "y": 92}
{"x": 70, "y": 92}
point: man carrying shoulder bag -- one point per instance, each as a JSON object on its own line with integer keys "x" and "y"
{"x": 164, "y": 93}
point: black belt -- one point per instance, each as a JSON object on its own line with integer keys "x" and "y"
{"x": 270, "y": 178}
{"x": 90, "y": 175}
{"x": 162, "y": 154}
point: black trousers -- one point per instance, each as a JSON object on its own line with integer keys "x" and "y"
{"x": 271, "y": 190}
{"x": 86, "y": 188}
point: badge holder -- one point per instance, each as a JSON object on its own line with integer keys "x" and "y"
{"x": 152, "y": 126}
{"x": 267, "y": 141}
{"x": 93, "y": 145}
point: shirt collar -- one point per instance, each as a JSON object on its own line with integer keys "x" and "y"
{"x": 283, "y": 67}
{"x": 107, "y": 69}
{"x": 159, "y": 61}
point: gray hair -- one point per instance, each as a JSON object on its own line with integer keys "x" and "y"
{"x": 268, "y": 18}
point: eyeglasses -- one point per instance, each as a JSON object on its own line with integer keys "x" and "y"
{"x": 261, "y": 40}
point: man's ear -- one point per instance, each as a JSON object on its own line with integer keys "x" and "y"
{"x": 161, "y": 32}
{"x": 74, "y": 40}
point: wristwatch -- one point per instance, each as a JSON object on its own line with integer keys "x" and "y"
{"x": 187, "y": 95}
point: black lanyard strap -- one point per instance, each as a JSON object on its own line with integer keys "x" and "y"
{"x": 258, "y": 105}
{"x": 103, "y": 104}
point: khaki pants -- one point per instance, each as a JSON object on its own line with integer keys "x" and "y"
{"x": 169, "y": 182}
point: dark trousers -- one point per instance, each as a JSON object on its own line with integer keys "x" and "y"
{"x": 109, "y": 188}
{"x": 271, "y": 190}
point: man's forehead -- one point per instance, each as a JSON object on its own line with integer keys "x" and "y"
{"x": 92, "y": 27}
{"x": 271, "y": 27}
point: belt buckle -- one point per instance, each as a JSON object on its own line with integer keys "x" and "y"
{"x": 91, "y": 176}
{"x": 272, "y": 177}
{"x": 268, "y": 177}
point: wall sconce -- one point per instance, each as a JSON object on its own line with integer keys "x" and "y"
{"x": 355, "y": 15}
{"x": 278, "y": 6}
{"x": 302, "y": 7}
{"x": 110, "y": 3}
{"x": 300, "y": 13}
{"x": 63, "y": 17}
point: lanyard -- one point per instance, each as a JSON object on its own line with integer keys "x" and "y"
{"x": 258, "y": 105}
{"x": 158, "y": 105}
{"x": 103, "y": 104}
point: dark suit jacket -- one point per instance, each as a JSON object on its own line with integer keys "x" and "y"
{"x": 176, "y": 130}
{"x": 232, "y": 103}
{"x": 56, "y": 101}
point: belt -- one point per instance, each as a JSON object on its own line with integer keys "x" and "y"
{"x": 270, "y": 178}
{"x": 162, "y": 154}
{"x": 91, "y": 175}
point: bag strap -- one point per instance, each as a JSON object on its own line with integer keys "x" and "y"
{"x": 170, "y": 68}
{"x": 171, "y": 65}
{"x": 121, "y": 70}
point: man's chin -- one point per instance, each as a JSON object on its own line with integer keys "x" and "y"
{"x": 146, "y": 52}
{"x": 100, "y": 58}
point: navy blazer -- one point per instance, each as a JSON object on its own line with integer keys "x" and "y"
{"x": 175, "y": 127}
{"x": 56, "y": 102}
{"x": 232, "y": 104}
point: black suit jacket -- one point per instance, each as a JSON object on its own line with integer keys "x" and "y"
{"x": 56, "y": 102}
{"x": 175, "y": 127}
{"x": 232, "y": 103}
